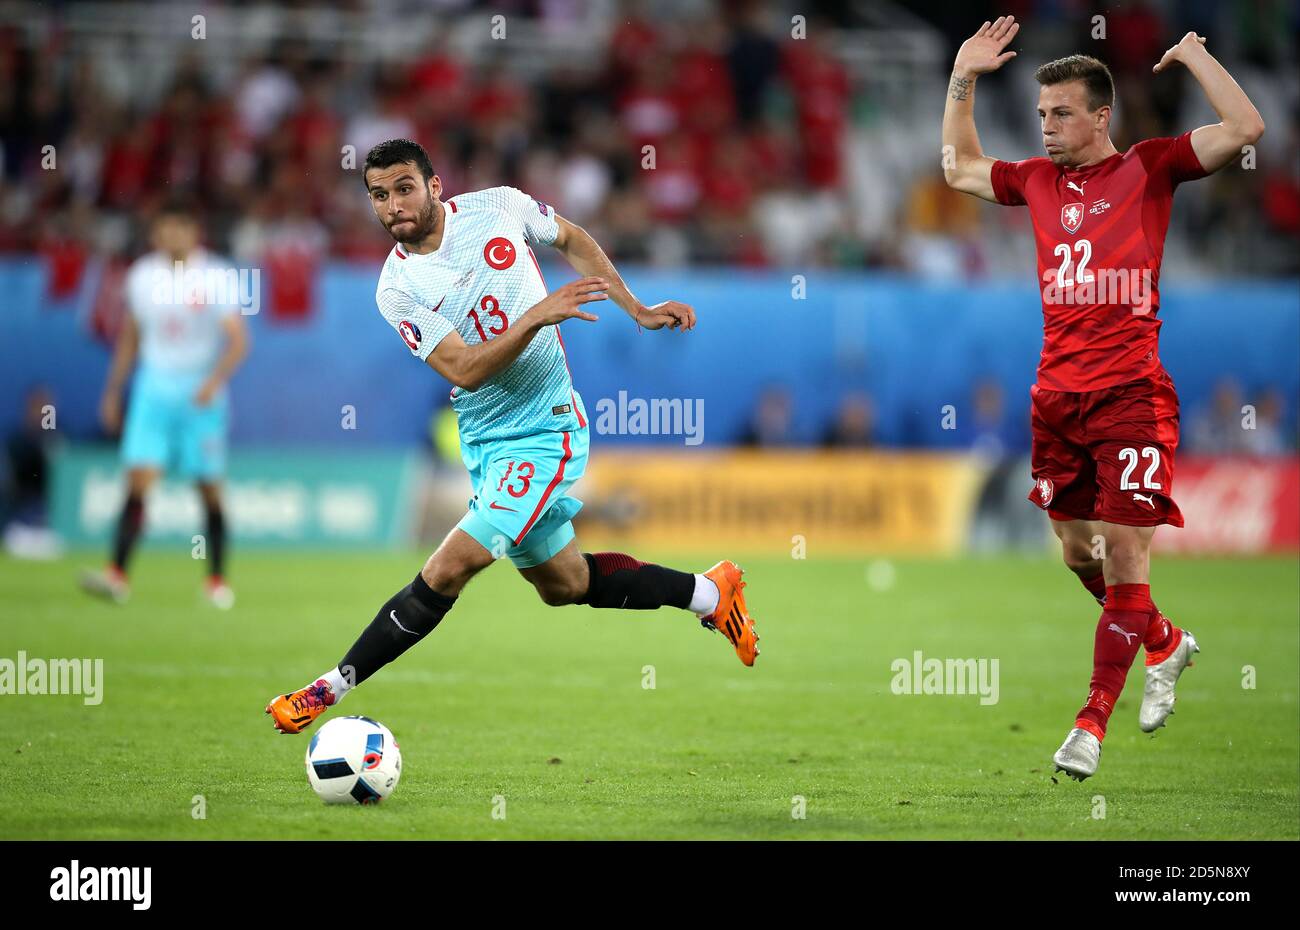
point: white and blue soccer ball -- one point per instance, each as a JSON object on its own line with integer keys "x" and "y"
{"x": 353, "y": 760}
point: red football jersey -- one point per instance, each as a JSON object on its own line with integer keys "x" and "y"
{"x": 1100, "y": 234}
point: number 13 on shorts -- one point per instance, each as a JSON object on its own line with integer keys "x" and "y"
{"x": 519, "y": 480}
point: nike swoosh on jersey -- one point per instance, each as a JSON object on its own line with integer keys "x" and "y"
{"x": 495, "y": 506}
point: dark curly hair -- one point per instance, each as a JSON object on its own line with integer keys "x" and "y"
{"x": 398, "y": 152}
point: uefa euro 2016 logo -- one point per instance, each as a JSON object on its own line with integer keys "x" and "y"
{"x": 410, "y": 334}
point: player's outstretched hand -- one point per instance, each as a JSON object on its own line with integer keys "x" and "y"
{"x": 1189, "y": 42}
{"x": 982, "y": 52}
{"x": 566, "y": 303}
{"x": 670, "y": 313}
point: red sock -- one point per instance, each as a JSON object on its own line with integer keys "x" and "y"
{"x": 1120, "y": 630}
{"x": 1161, "y": 638}
{"x": 1096, "y": 586}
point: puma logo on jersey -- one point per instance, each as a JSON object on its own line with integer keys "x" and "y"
{"x": 1077, "y": 187}
{"x": 1128, "y": 637}
{"x": 1147, "y": 499}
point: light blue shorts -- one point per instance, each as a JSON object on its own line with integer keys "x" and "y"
{"x": 520, "y": 507}
{"x": 165, "y": 429}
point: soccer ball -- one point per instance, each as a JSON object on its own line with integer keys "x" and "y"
{"x": 353, "y": 760}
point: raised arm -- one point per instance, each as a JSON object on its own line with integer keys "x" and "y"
{"x": 469, "y": 366}
{"x": 588, "y": 258}
{"x": 965, "y": 166}
{"x": 1240, "y": 123}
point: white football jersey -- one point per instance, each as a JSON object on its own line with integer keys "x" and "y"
{"x": 178, "y": 308}
{"x": 480, "y": 280}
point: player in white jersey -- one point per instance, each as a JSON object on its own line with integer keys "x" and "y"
{"x": 464, "y": 292}
{"x": 183, "y": 322}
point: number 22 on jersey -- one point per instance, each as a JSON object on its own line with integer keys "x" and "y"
{"x": 1081, "y": 273}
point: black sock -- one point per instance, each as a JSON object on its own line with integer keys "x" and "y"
{"x": 216, "y": 542}
{"x": 128, "y": 530}
{"x": 620, "y": 581}
{"x": 417, "y": 609}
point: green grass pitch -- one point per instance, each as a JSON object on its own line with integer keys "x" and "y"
{"x": 545, "y": 707}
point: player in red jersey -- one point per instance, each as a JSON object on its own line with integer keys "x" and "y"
{"x": 1104, "y": 411}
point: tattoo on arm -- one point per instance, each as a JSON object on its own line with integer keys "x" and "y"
{"x": 959, "y": 88}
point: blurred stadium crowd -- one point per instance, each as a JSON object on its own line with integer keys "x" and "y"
{"x": 783, "y": 135}
{"x": 768, "y": 149}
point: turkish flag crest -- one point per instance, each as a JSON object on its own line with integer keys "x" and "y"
{"x": 499, "y": 253}
{"x": 1072, "y": 217}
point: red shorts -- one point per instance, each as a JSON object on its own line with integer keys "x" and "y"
{"x": 1108, "y": 454}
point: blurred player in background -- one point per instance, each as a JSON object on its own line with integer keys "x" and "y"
{"x": 464, "y": 292}
{"x": 1104, "y": 412}
{"x": 188, "y": 346}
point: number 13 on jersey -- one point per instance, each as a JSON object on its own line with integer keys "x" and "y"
{"x": 498, "y": 322}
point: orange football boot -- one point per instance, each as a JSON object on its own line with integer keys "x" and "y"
{"x": 293, "y": 713}
{"x": 731, "y": 618}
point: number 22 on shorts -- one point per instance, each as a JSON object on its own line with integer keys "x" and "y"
{"x": 1130, "y": 456}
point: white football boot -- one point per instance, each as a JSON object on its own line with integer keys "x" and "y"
{"x": 219, "y": 594}
{"x": 1158, "y": 695}
{"x": 1078, "y": 755}
{"x": 109, "y": 584}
